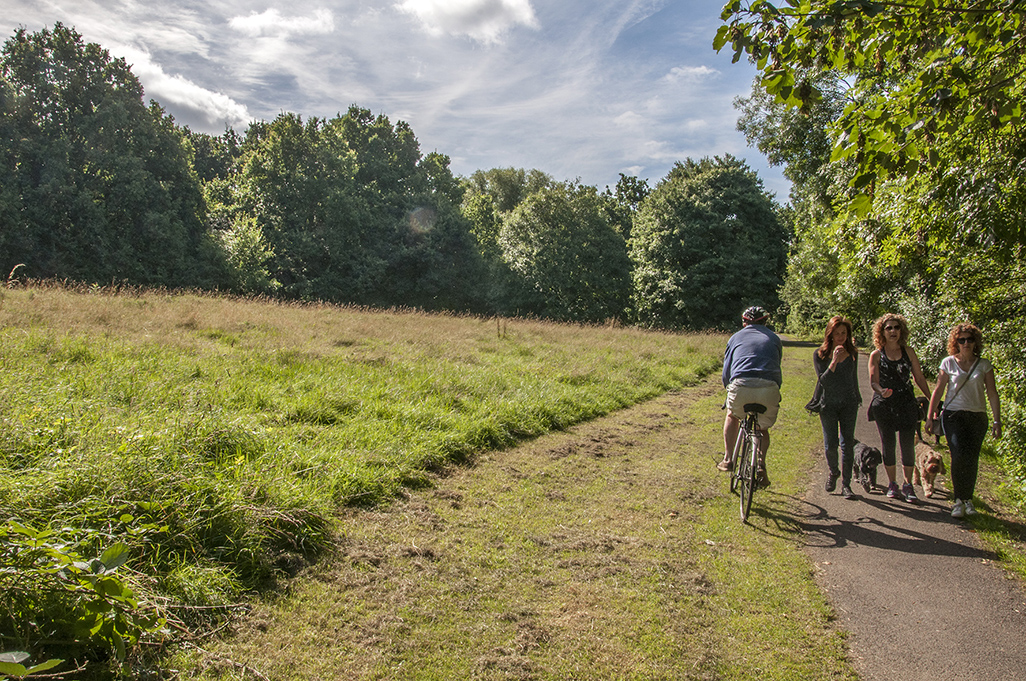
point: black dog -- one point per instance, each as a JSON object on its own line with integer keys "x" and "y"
{"x": 866, "y": 460}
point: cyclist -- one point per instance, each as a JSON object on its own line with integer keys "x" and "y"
{"x": 751, "y": 373}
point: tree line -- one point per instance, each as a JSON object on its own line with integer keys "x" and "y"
{"x": 99, "y": 187}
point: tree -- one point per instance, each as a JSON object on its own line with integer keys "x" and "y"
{"x": 215, "y": 157}
{"x": 349, "y": 212}
{"x": 97, "y": 186}
{"x": 570, "y": 263}
{"x": 508, "y": 187}
{"x": 923, "y": 74}
{"x": 707, "y": 243}
{"x": 622, "y": 203}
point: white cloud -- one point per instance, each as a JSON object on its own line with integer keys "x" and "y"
{"x": 271, "y": 23}
{"x": 214, "y": 107}
{"x": 483, "y": 20}
{"x": 629, "y": 119}
{"x": 690, "y": 74}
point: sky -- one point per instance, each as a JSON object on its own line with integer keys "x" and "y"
{"x": 579, "y": 89}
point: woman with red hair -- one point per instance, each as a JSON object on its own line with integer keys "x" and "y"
{"x": 836, "y": 362}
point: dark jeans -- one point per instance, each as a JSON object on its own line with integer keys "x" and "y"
{"x": 838, "y": 422}
{"x": 890, "y": 437}
{"x": 965, "y": 431}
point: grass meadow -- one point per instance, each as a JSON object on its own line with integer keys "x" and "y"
{"x": 219, "y": 438}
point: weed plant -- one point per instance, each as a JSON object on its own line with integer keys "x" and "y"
{"x": 240, "y": 427}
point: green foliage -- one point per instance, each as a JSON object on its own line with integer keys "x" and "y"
{"x": 56, "y": 599}
{"x": 922, "y": 75}
{"x": 96, "y": 187}
{"x": 623, "y": 202}
{"x": 563, "y": 250}
{"x": 508, "y": 187}
{"x": 706, "y": 244}
{"x": 215, "y": 158}
{"x": 348, "y": 212}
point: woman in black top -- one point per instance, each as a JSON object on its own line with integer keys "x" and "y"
{"x": 836, "y": 363}
{"x": 892, "y": 367}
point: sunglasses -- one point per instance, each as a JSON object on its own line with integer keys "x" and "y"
{"x": 962, "y": 341}
{"x": 892, "y": 327}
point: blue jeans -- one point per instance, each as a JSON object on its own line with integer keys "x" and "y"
{"x": 965, "y": 431}
{"x": 838, "y": 422}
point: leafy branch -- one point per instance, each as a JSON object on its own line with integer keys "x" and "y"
{"x": 54, "y": 593}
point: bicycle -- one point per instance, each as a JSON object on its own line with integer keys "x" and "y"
{"x": 745, "y": 477}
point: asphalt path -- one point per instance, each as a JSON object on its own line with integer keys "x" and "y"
{"x": 915, "y": 588}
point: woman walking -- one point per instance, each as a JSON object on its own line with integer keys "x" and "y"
{"x": 836, "y": 362}
{"x": 892, "y": 368}
{"x": 967, "y": 377}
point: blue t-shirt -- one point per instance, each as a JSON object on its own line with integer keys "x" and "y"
{"x": 753, "y": 352}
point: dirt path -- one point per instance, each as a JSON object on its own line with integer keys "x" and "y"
{"x": 915, "y": 587}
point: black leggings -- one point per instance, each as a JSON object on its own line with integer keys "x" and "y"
{"x": 965, "y": 431}
{"x": 905, "y": 438}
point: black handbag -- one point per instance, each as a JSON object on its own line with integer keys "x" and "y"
{"x": 937, "y": 427}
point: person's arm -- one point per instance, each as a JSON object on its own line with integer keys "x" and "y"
{"x": 917, "y": 373}
{"x": 995, "y": 403}
{"x": 935, "y": 398}
{"x": 819, "y": 363}
{"x": 874, "y": 375}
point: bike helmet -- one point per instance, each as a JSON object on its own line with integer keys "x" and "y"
{"x": 755, "y": 315}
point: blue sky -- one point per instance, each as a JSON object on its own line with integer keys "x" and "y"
{"x": 581, "y": 89}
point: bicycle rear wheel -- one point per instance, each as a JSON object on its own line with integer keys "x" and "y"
{"x": 738, "y": 454}
{"x": 747, "y": 471}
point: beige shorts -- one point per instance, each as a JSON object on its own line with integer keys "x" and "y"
{"x": 743, "y": 391}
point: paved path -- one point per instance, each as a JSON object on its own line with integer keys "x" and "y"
{"x": 915, "y": 588}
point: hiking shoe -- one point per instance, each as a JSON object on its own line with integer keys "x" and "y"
{"x": 846, "y": 492}
{"x": 969, "y": 508}
{"x": 726, "y": 466}
{"x": 831, "y": 483}
{"x": 892, "y": 490}
{"x": 909, "y": 493}
{"x": 958, "y": 510}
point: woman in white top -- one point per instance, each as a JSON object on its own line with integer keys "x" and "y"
{"x": 969, "y": 380}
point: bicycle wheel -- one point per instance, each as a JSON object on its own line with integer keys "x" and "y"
{"x": 737, "y": 454}
{"x": 747, "y": 471}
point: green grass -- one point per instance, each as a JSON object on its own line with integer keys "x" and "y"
{"x": 1000, "y": 523}
{"x": 608, "y": 551}
{"x": 243, "y": 427}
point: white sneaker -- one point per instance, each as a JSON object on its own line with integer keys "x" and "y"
{"x": 958, "y": 510}
{"x": 969, "y": 510}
